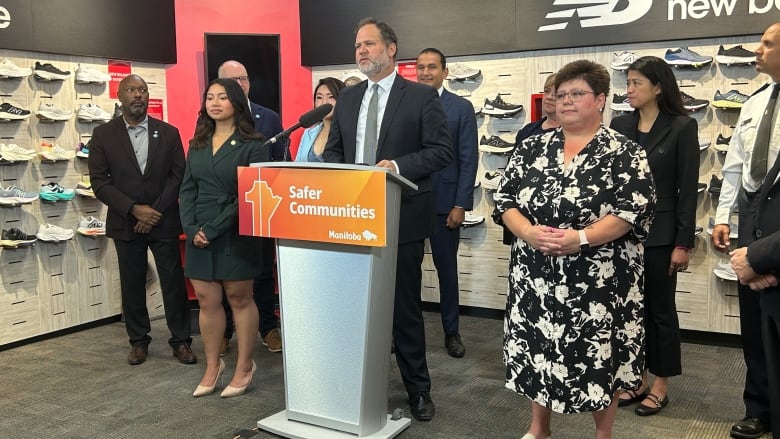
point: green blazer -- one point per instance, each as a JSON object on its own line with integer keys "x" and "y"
{"x": 208, "y": 202}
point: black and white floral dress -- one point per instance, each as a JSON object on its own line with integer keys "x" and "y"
{"x": 573, "y": 329}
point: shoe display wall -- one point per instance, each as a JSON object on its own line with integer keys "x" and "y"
{"x": 55, "y": 278}
{"x": 702, "y": 69}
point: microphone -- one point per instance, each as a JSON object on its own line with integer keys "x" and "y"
{"x": 306, "y": 120}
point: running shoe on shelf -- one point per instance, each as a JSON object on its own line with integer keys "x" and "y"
{"x": 737, "y": 55}
{"x": 91, "y": 226}
{"x": 622, "y": 60}
{"x": 14, "y": 238}
{"x": 731, "y": 100}
{"x": 53, "y": 192}
{"x": 52, "y": 233}
{"x": 684, "y": 57}
{"x": 15, "y": 196}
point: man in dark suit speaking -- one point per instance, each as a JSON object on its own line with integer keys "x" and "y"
{"x": 136, "y": 165}
{"x": 400, "y": 125}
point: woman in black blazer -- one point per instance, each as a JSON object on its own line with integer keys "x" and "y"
{"x": 669, "y": 136}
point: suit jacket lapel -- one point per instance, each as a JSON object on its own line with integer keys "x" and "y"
{"x": 393, "y": 102}
{"x": 154, "y": 142}
{"x": 658, "y": 132}
{"x": 446, "y": 100}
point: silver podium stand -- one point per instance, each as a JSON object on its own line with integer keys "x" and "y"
{"x": 336, "y": 303}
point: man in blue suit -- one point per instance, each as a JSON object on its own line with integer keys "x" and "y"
{"x": 453, "y": 190}
{"x": 269, "y": 124}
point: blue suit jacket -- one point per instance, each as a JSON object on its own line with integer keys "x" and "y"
{"x": 454, "y": 185}
{"x": 268, "y": 122}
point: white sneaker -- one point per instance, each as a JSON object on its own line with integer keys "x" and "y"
{"x": 92, "y": 113}
{"x": 52, "y": 233}
{"x": 621, "y": 61}
{"x": 10, "y": 70}
{"x": 472, "y": 220}
{"x": 91, "y": 226}
{"x": 54, "y": 152}
{"x": 15, "y": 153}
{"x": 50, "y": 112}
{"x": 724, "y": 271}
{"x": 461, "y": 72}
{"x": 86, "y": 75}
{"x": 491, "y": 179}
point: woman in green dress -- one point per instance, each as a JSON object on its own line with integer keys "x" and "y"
{"x": 218, "y": 258}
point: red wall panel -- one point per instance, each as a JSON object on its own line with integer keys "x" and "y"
{"x": 186, "y": 79}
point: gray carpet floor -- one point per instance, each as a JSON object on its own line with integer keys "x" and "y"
{"x": 79, "y": 386}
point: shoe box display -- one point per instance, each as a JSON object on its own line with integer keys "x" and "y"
{"x": 62, "y": 272}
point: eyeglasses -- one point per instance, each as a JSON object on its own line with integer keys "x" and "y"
{"x": 240, "y": 78}
{"x": 574, "y": 95}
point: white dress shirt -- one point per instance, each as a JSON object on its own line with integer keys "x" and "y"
{"x": 384, "y": 92}
{"x": 736, "y": 167}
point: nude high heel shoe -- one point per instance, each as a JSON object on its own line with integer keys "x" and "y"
{"x": 231, "y": 391}
{"x": 206, "y": 390}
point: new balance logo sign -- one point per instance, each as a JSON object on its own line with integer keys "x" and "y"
{"x": 5, "y": 18}
{"x": 595, "y": 13}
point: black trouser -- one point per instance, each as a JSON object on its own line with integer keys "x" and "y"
{"x": 132, "y": 259}
{"x": 408, "y": 325}
{"x": 444, "y": 249}
{"x": 756, "y": 394}
{"x": 662, "y": 328}
{"x": 264, "y": 293}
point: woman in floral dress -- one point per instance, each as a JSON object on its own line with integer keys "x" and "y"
{"x": 579, "y": 201}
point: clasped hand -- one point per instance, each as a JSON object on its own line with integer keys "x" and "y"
{"x": 147, "y": 218}
{"x": 552, "y": 241}
{"x": 200, "y": 240}
{"x": 746, "y": 274}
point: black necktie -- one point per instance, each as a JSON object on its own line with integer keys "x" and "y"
{"x": 758, "y": 164}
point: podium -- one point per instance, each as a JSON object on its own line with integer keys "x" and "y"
{"x": 337, "y": 233}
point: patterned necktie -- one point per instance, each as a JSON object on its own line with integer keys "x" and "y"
{"x": 371, "y": 134}
{"x": 758, "y": 163}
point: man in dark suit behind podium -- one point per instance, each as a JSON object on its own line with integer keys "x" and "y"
{"x": 410, "y": 138}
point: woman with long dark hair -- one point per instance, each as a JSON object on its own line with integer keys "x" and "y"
{"x": 314, "y": 138}
{"x": 669, "y": 136}
{"x": 218, "y": 258}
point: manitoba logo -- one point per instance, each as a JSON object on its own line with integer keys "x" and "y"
{"x": 595, "y": 13}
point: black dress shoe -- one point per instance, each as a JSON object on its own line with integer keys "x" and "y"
{"x": 749, "y": 428}
{"x": 643, "y": 410}
{"x": 137, "y": 355}
{"x": 184, "y": 354}
{"x": 454, "y": 346}
{"x": 422, "y": 406}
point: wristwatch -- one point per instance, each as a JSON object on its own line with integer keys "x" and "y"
{"x": 584, "y": 243}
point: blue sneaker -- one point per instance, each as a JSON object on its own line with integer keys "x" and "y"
{"x": 731, "y": 99}
{"x": 684, "y": 57}
{"x": 82, "y": 151}
{"x": 14, "y": 196}
{"x": 53, "y": 192}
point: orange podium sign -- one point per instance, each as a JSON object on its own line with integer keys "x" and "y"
{"x": 324, "y": 205}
